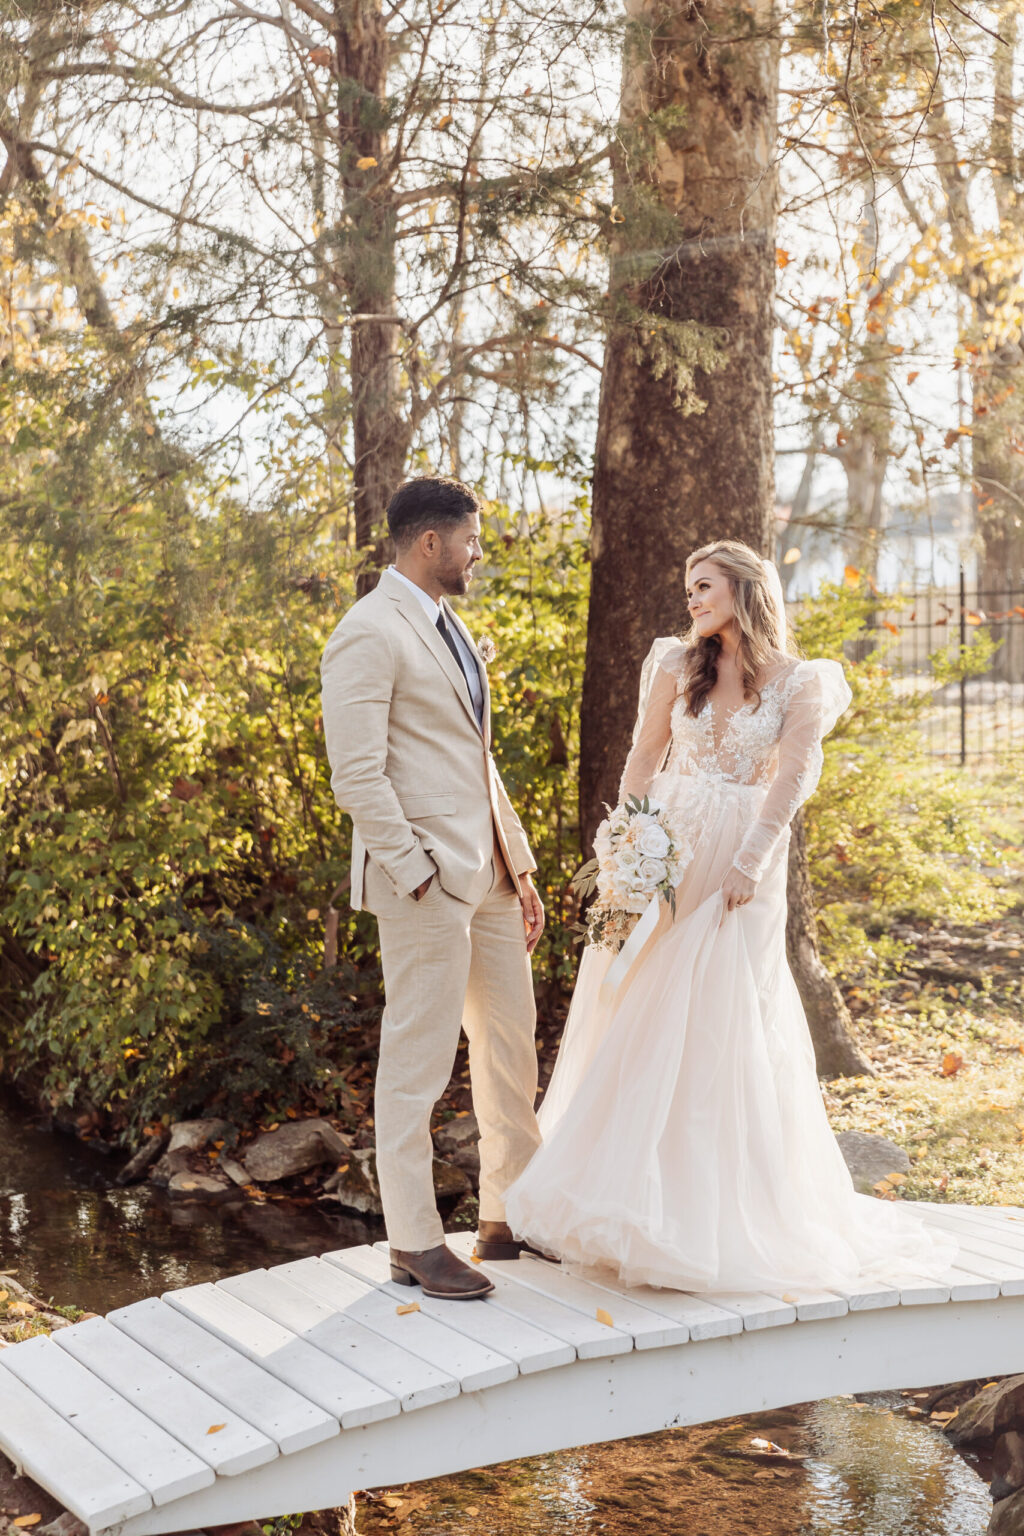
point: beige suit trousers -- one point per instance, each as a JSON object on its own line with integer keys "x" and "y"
{"x": 451, "y": 965}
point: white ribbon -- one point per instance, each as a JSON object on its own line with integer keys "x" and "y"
{"x": 630, "y": 951}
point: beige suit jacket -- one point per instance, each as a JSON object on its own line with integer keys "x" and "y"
{"x": 409, "y": 762}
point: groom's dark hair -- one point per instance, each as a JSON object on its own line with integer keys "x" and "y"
{"x": 433, "y": 501}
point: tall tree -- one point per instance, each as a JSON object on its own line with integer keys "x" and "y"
{"x": 681, "y": 461}
{"x": 692, "y": 264}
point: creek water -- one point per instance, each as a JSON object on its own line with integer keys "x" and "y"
{"x": 859, "y": 1468}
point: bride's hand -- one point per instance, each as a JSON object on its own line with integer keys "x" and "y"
{"x": 737, "y": 890}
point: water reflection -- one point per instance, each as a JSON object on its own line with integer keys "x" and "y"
{"x": 877, "y": 1474}
{"x": 72, "y": 1237}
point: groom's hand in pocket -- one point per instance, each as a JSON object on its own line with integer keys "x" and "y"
{"x": 533, "y": 913}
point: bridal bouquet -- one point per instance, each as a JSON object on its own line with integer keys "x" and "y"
{"x": 641, "y": 853}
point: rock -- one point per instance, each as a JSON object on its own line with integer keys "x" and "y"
{"x": 993, "y": 1409}
{"x": 450, "y": 1183}
{"x": 194, "y": 1135}
{"x": 1008, "y": 1517}
{"x": 1009, "y": 1404}
{"x": 458, "y": 1143}
{"x": 137, "y": 1165}
{"x": 1008, "y": 1464}
{"x": 234, "y": 1170}
{"x": 292, "y": 1149}
{"x": 199, "y": 1185}
{"x": 186, "y": 1137}
{"x": 869, "y": 1158}
{"x": 170, "y": 1164}
{"x": 357, "y": 1189}
{"x": 456, "y": 1134}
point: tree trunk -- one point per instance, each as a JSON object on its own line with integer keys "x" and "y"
{"x": 835, "y": 1051}
{"x": 364, "y": 258}
{"x": 695, "y": 205}
{"x": 698, "y": 126}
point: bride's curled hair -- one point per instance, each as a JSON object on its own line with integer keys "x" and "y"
{"x": 761, "y": 635}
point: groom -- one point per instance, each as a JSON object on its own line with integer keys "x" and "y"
{"x": 439, "y": 856}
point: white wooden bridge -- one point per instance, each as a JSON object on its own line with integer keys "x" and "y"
{"x": 286, "y": 1389}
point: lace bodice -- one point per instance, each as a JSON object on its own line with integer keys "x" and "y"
{"x": 774, "y": 744}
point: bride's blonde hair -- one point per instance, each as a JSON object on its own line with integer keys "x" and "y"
{"x": 760, "y": 636}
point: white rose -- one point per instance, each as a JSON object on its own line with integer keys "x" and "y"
{"x": 653, "y": 841}
{"x": 652, "y": 872}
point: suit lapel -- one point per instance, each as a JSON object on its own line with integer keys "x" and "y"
{"x": 411, "y": 610}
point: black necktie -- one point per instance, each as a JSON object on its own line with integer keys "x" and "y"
{"x": 446, "y": 636}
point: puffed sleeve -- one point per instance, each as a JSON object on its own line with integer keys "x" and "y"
{"x": 652, "y": 734}
{"x": 818, "y": 695}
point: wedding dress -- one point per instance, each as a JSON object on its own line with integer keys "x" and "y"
{"x": 685, "y": 1139}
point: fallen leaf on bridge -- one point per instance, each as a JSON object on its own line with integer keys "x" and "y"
{"x": 604, "y": 1317}
{"x": 411, "y": 1306}
{"x": 215, "y": 1429}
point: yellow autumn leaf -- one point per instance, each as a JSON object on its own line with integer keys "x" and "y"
{"x": 443, "y": 122}
{"x": 20, "y": 1309}
{"x": 411, "y": 1306}
{"x": 365, "y": 163}
{"x": 215, "y": 1429}
{"x": 3, "y": 1295}
{"x": 851, "y": 575}
{"x": 790, "y": 1299}
{"x": 24, "y": 1521}
{"x": 604, "y": 1317}
{"x": 791, "y": 557}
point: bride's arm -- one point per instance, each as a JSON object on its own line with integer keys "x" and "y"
{"x": 820, "y": 695}
{"x": 653, "y": 737}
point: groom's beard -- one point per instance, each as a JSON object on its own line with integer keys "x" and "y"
{"x": 454, "y": 579}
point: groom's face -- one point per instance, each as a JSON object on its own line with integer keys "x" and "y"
{"x": 460, "y": 551}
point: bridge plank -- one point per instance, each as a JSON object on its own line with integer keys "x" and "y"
{"x": 166, "y": 1397}
{"x": 701, "y": 1318}
{"x": 472, "y": 1364}
{"x": 148, "y": 1454}
{"x": 414, "y": 1382}
{"x": 530, "y": 1347}
{"x": 284, "y": 1415}
{"x": 41, "y": 1442}
{"x": 988, "y": 1255}
{"x": 986, "y": 1221}
{"x": 338, "y": 1390}
{"x": 648, "y": 1329}
{"x": 757, "y": 1309}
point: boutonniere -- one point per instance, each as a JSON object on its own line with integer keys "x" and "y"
{"x": 487, "y": 650}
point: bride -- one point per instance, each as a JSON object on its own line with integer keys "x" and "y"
{"x": 685, "y": 1140}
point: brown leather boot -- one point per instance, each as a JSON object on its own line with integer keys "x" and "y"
{"x": 441, "y": 1273}
{"x": 494, "y": 1240}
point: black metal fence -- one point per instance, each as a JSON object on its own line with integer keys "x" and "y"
{"x": 974, "y": 721}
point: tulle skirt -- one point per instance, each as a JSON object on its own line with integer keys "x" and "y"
{"x": 685, "y": 1139}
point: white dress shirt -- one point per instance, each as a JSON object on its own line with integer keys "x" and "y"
{"x": 469, "y": 659}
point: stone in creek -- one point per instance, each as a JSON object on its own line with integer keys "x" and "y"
{"x": 234, "y": 1170}
{"x": 988, "y": 1413}
{"x": 201, "y": 1186}
{"x": 870, "y": 1158}
{"x": 187, "y": 1137}
{"x": 194, "y": 1135}
{"x": 137, "y": 1166}
{"x": 294, "y": 1148}
{"x": 1008, "y": 1464}
{"x": 1007, "y": 1517}
{"x": 458, "y": 1142}
{"x": 357, "y": 1189}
